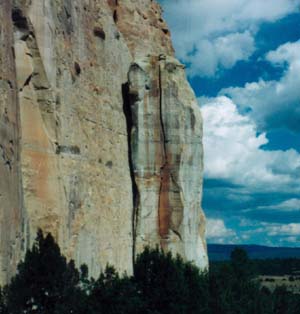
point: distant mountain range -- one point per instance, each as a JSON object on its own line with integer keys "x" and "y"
{"x": 220, "y": 252}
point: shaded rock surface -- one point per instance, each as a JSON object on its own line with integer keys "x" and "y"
{"x": 104, "y": 160}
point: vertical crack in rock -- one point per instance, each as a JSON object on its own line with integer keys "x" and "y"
{"x": 135, "y": 193}
{"x": 163, "y": 198}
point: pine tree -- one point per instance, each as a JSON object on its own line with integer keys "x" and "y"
{"x": 3, "y": 309}
{"x": 114, "y": 295}
{"x": 45, "y": 282}
{"x": 169, "y": 285}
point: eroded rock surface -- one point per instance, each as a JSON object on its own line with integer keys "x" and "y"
{"x": 68, "y": 163}
{"x": 167, "y": 158}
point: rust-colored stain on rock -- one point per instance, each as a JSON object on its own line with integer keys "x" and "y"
{"x": 39, "y": 183}
{"x": 164, "y": 208}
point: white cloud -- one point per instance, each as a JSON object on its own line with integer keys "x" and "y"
{"x": 268, "y": 10}
{"x": 234, "y": 47}
{"x": 289, "y": 205}
{"x": 217, "y": 232}
{"x": 292, "y": 229}
{"x": 275, "y": 229}
{"x": 244, "y": 222}
{"x": 223, "y": 52}
{"x": 289, "y": 52}
{"x": 200, "y": 28}
{"x": 290, "y": 240}
{"x": 274, "y": 103}
{"x": 245, "y": 237}
{"x": 233, "y": 151}
{"x": 273, "y": 234}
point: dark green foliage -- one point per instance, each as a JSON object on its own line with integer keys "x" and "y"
{"x": 2, "y": 303}
{"x": 274, "y": 267}
{"x": 241, "y": 265}
{"x": 169, "y": 285}
{"x": 47, "y": 284}
{"x": 281, "y": 301}
{"x": 277, "y": 267}
{"x": 114, "y": 295}
{"x": 232, "y": 287}
{"x": 161, "y": 282}
{"x": 234, "y": 290}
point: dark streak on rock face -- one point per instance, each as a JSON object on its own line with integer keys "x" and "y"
{"x": 165, "y": 30}
{"x": 65, "y": 17}
{"x": 164, "y": 208}
{"x": 19, "y": 19}
{"x": 109, "y": 164}
{"x": 6, "y": 159}
{"x": 127, "y": 100}
{"x": 115, "y": 16}
{"x": 63, "y": 149}
{"x": 99, "y": 32}
{"x": 75, "y": 202}
{"x": 77, "y": 68}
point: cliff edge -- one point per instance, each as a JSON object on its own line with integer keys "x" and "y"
{"x": 100, "y": 134}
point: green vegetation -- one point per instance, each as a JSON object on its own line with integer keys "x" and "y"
{"x": 277, "y": 267}
{"x": 46, "y": 283}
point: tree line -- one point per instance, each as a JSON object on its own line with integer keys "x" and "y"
{"x": 46, "y": 283}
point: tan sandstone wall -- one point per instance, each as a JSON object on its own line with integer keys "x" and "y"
{"x": 167, "y": 158}
{"x": 11, "y": 215}
{"x": 66, "y": 162}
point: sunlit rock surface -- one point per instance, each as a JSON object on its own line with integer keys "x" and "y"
{"x": 166, "y": 152}
{"x": 73, "y": 158}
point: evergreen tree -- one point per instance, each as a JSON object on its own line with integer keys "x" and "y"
{"x": 233, "y": 288}
{"x": 168, "y": 285}
{"x": 3, "y": 309}
{"x": 281, "y": 300}
{"x": 241, "y": 265}
{"x": 197, "y": 290}
{"x": 111, "y": 294}
{"x": 45, "y": 282}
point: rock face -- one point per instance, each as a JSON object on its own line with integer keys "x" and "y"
{"x": 100, "y": 135}
{"x": 166, "y": 154}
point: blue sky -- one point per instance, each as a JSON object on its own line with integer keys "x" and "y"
{"x": 243, "y": 61}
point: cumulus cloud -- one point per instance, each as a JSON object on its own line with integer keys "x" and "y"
{"x": 233, "y": 151}
{"x": 214, "y": 34}
{"x": 292, "y": 229}
{"x": 273, "y": 233}
{"x": 289, "y": 205}
{"x": 273, "y": 104}
{"x": 222, "y": 52}
{"x": 217, "y": 232}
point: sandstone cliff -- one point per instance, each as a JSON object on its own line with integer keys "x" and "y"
{"x": 100, "y": 134}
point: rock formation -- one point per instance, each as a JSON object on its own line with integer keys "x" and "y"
{"x": 100, "y": 134}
